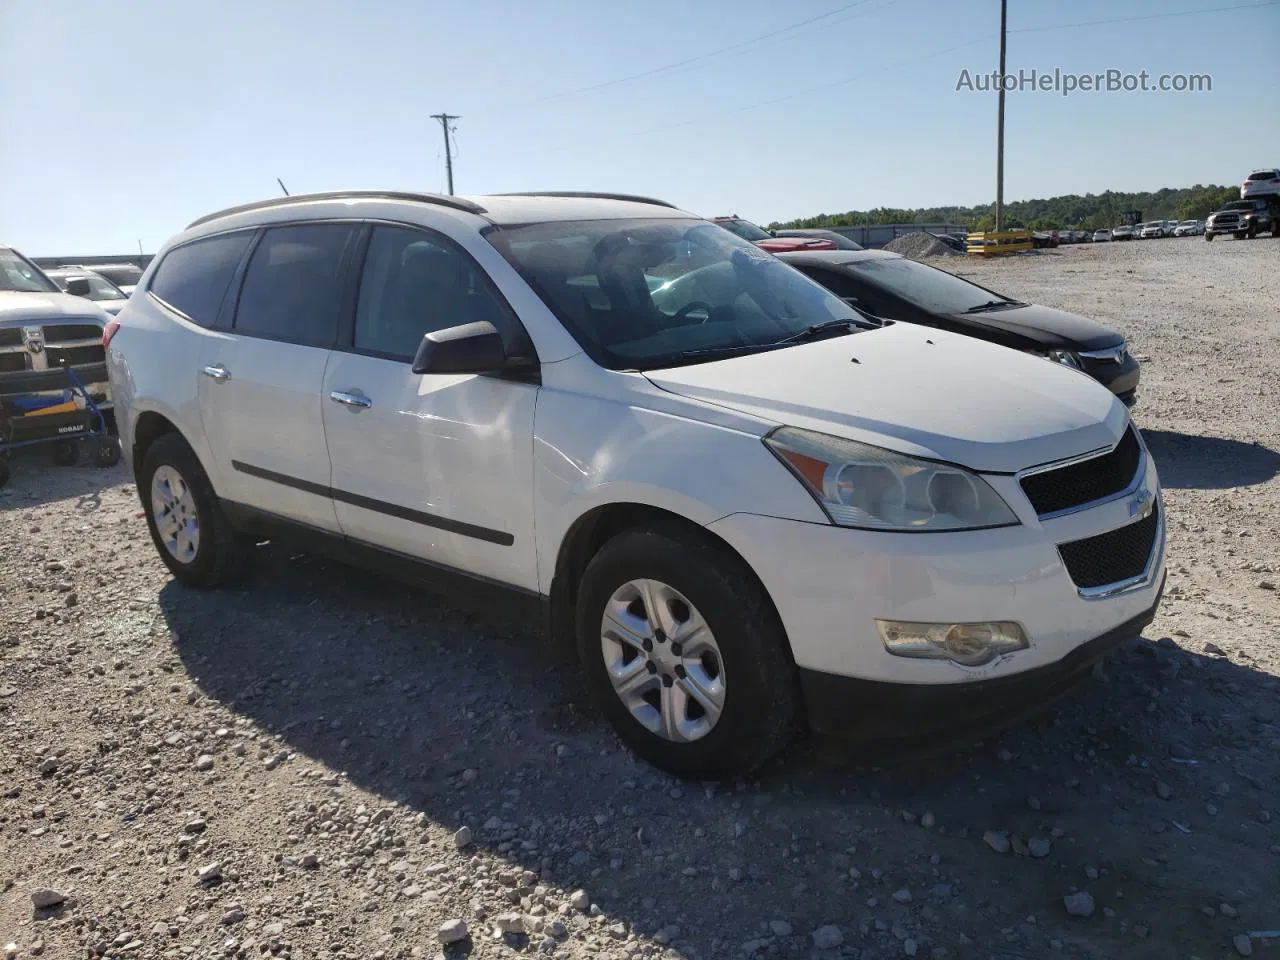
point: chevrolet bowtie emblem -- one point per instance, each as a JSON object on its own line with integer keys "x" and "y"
{"x": 1141, "y": 506}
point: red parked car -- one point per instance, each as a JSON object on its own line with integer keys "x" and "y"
{"x": 767, "y": 241}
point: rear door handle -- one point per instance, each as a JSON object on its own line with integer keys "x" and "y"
{"x": 357, "y": 400}
{"x": 219, "y": 373}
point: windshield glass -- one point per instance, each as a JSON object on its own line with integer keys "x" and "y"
{"x": 99, "y": 289}
{"x": 1188, "y": 223}
{"x": 745, "y": 229}
{"x": 18, "y": 274}
{"x": 926, "y": 287}
{"x": 640, "y": 294}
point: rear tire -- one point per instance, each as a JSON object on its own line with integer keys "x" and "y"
{"x": 191, "y": 533}
{"x": 759, "y": 694}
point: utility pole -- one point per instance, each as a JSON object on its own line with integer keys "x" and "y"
{"x": 444, "y": 119}
{"x": 1004, "y": 12}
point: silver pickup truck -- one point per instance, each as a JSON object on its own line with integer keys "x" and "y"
{"x": 43, "y": 329}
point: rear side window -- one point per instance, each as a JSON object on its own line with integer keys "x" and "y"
{"x": 293, "y": 285}
{"x": 193, "y": 278}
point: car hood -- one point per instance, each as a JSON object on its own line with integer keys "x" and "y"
{"x": 112, "y": 307}
{"x": 45, "y": 307}
{"x": 918, "y": 391}
{"x": 1042, "y": 327}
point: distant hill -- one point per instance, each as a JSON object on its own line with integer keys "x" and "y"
{"x": 1090, "y": 212}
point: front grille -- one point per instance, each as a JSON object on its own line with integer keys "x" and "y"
{"x": 75, "y": 356}
{"x": 1080, "y": 483}
{"x": 1111, "y": 557}
{"x": 12, "y": 362}
{"x": 62, "y": 332}
{"x": 11, "y": 337}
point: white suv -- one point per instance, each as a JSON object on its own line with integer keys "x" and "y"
{"x": 745, "y": 506}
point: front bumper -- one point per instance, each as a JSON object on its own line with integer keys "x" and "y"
{"x": 1120, "y": 378}
{"x": 876, "y": 710}
{"x": 830, "y": 584}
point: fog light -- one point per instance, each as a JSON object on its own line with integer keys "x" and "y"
{"x": 969, "y": 644}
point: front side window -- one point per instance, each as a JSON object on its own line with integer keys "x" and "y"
{"x": 193, "y": 278}
{"x": 20, "y": 275}
{"x": 923, "y": 286}
{"x": 414, "y": 284}
{"x": 293, "y": 285}
{"x": 641, "y": 294}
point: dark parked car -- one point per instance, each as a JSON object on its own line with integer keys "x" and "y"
{"x": 839, "y": 239}
{"x": 888, "y": 286}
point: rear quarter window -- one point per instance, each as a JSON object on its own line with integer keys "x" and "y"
{"x": 194, "y": 277}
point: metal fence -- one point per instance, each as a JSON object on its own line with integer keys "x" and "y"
{"x": 138, "y": 259}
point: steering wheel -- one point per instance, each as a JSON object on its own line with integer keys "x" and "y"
{"x": 683, "y": 313}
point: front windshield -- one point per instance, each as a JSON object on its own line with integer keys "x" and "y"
{"x": 641, "y": 294}
{"x": 1188, "y": 223}
{"x": 926, "y": 287}
{"x": 19, "y": 275}
{"x": 744, "y": 229}
{"x": 99, "y": 288}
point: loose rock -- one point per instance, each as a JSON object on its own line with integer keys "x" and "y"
{"x": 827, "y": 937}
{"x": 453, "y": 931}
{"x": 1079, "y": 904}
{"x": 997, "y": 840}
{"x": 42, "y": 898}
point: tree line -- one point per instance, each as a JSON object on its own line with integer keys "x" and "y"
{"x": 1070, "y": 212}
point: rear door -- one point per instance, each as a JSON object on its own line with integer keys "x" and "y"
{"x": 438, "y": 467}
{"x": 261, "y": 379}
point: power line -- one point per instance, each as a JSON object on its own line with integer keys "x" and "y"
{"x": 700, "y": 57}
{"x": 444, "y": 119}
{"x": 861, "y": 75}
{"x": 1150, "y": 16}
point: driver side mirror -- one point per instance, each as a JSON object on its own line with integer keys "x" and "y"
{"x": 467, "y": 348}
{"x": 78, "y": 286}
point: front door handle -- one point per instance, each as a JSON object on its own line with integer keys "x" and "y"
{"x": 357, "y": 400}
{"x": 219, "y": 373}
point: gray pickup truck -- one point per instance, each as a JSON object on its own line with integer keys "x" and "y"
{"x": 41, "y": 330}
{"x": 1245, "y": 218}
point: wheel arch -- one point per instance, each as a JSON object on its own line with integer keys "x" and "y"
{"x": 589, "y": 533}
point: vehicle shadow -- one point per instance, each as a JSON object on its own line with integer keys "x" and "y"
{"x": 1188, "y": 461}
{"x": 36, "y": 481}
{"x": 461, "y": 716}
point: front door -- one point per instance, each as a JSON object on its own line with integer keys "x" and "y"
{"x": 437, "y": 467}
{"x": 261, "y": 380}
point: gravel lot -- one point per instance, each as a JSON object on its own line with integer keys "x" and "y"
{"x": 321, "y": 764}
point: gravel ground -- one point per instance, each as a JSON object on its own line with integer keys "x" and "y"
{"x": 320, "y": 764}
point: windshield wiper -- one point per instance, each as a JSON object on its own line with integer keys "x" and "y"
{"x": 994, "y": 305}
{"x": 818, "y": 330}
{"x": 814, "y": 332}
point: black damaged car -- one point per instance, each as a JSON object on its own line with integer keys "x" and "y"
{"x": 893, "y": 287}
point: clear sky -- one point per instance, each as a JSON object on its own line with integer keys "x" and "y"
{"x": 126, "y": 119}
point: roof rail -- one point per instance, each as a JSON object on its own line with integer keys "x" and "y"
{"x": 588, "y": 195}
{"x": 456, "y": 203}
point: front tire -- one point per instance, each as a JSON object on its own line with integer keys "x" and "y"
{"x": 1208, "y": 238}
{"x": 188, "y": 527}
{"x": 685, "y": 654}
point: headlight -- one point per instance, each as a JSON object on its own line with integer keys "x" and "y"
{"x": 863, "y": 486}
{"x": 1064, "y": 357}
